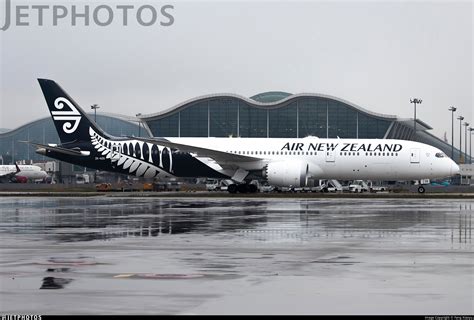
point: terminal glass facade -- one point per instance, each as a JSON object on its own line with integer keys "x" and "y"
{"x": 342, "y": 121}
{"x": 223, "y": 117}
{"x": 312, "y": 117}
{"x": 252, "y": 121}
{"x": 283, "y": 122}
{"x": 303, "y": 116}
{"x": 372, "y": 128}
{"x": 194, "y": 120}
{"x": 166, "y": 127}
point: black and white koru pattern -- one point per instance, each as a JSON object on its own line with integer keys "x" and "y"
{"x": 72, "y": 117}
{"x": 138, "y": 157}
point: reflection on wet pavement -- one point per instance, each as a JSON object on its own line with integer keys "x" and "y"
{"x": 54, "y": 283}
{"x": 73, "y": 220}
{"x": 161, "y": 256}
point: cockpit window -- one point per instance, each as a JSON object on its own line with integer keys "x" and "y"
{"x": 440, "y": 155}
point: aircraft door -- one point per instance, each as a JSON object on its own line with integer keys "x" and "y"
{"x": 116, "y": 150}
{"x": 414, "y": 155}
{"x": 330, "y": 156}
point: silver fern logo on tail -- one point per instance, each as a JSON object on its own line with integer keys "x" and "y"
{"x": 72, "y": 116}
{"x": 134, "y": 156}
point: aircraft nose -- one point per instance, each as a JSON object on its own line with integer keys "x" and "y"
{"x": 454, "y": 168}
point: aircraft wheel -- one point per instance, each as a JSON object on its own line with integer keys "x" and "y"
{"x": 421, "y": 189}
{"x": 252, "y": 188}
{"x": 242, "y": 188}
{"x": 232, "y": 188}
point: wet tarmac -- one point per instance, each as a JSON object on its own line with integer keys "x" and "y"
{"x": 103, "y": 255}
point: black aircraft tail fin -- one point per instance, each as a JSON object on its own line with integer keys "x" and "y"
{"x": 72, "y": 123}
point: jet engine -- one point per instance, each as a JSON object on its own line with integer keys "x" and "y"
{"x": 287, "y": 173}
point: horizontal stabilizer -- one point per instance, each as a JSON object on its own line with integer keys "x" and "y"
{"x": 69, "y": 152}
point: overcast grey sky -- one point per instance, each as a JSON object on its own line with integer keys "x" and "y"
{"x": 375, "y": 54}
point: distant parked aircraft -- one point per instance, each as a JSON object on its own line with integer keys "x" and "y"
{"x": 21, "y": 173}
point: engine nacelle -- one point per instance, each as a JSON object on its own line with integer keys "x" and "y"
{"x": 287, "y": 173}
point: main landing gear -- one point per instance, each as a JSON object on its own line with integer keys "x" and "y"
{"x": 242, "y": 188}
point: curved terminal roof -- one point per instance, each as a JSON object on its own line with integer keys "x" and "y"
{"x": 267, "y": 100}
{"x": 270, "y": 96}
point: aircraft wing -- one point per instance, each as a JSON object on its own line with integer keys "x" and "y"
{"x": 7, "y": 177}
{"x": 218, "y": 156}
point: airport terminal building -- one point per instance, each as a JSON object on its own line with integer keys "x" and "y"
{"x": 284, "y": 115}
{"x": 266, "y": 115}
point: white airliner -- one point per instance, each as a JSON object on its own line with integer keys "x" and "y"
{"x": 280, "y": 161}
{"x": 21, "y": 173}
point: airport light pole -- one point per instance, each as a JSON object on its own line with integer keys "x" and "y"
{"x": 95, "y": 107}
{"x": 470, "y": 143}
{"x": 139, "y": 124}
{"x": 415, "y": 101}
{"x": 465, "y": 141}
{"x": 460, "y": 118}
{"x": 452, "y": 109}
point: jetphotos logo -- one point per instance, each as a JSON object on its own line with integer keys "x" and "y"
{"x": 76, "y": 15}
